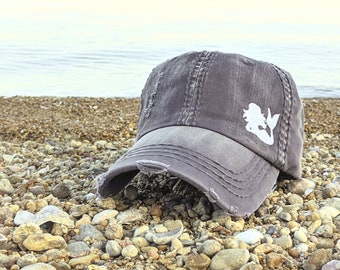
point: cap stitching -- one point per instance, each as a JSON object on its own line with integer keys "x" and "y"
{"x": 209, "y": 60}
{"x": 194, "y": 87}
{"x": 216, "y": 173}
{"x": 285, "y": 121}
{"x": 252, "y": 164}
{"x": 213, "y": 166}
{"x": 151, "y": 101}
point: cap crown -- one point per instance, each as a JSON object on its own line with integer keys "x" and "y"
{"x": 252, "y": 102}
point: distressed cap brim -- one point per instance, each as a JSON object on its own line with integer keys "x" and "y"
{"x": 228, "y": 173}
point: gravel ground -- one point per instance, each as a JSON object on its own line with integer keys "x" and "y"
{"x": 51, "y": 150}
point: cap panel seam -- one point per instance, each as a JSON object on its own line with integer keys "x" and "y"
{"x": 285, "y": 121}
{"x": 193, "y": 88}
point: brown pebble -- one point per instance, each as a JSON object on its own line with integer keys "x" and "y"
{"x": 153, "y": 253}
{"x": 293, "y": 252}
{"x": 274, "y": 260}
{"x": 197, "y": 261}
{"x": 155, "y": 210}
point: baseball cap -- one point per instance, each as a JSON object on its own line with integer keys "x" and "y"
{"x": 225, "y": 123}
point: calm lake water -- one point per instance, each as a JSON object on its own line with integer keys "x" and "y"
{"x": 108, "y": 48}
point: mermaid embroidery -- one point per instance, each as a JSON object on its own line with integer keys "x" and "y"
{"x": 258, "y": 124}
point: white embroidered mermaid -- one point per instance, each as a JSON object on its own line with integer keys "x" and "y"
{"x": 257, "y": 123}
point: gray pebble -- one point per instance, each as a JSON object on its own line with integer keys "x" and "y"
{"x": 78, "y": 249}
{"x": 39, "y": 266}
{"x": 61, "y": 191}
{"x": 26, "y": 259}
{"x": 285, "y": 216}
{"x": 113, "y": 248}
{"x": 284, "y": 241}
{"x": 23, "y": 216}
{"x": 90, "y": 231}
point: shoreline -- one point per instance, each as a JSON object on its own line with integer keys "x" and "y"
{"x": 52, "y": 149}
{"x": 32, "y": 118}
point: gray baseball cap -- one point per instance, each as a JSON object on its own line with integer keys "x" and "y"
{"x": 225, "y": 123}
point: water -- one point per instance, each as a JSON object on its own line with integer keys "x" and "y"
{"x": 107, "y": 48}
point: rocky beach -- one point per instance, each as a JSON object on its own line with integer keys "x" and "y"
{"x": 52, "y": 149}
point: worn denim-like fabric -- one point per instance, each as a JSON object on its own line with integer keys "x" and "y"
{"x": 225, "y": 123}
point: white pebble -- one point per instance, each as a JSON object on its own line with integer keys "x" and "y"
{"x": 250, "y": 236}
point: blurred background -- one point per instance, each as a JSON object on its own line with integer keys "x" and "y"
{"x": 107, "y": 48}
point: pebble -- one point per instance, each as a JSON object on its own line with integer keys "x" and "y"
{"x": 88, "y": 230}
{"x": 39, "y": 266}
{"x": 176, "y": 244}
{"x": 251, "y": 236}
{"x": 24, "y": 230}
{"x": 84, "y": 260}
{"x": 301, "y": 187}
{"x": 301, "y": 235}
{"x": 129, "y": 251}
{"x": 78, "y": 249}
{"x": 113, "y": 248}
{"x": 103, "y": 216}
{"x": 197, "y": 262}
{"x": 23, "y": 216}
{"x": 284, "y": 241}
{"x": 295, "y": 199}
{"x": 61, "y": 191}
{"x": 114, "y": 230}
{"x": 274, "y": 260}
{"x": 164, "y": 237}
{"x": 301, "y": 247}
{"x": 96, "y": 230}
{"x": 327, "y": 213}
{"x": 229, "y": 259}
{"x": 325, "y": 231}
{"x": 266, "y": 248}
{"x": 51, "y": 213}
{"x": 285, "y": 216}
{"x": 251, "y": 266}
{"x": 26, "y": 259}
{"x": 141, "y": 230}
{"x": 317, "y": 259}
{"x": 140, "y": 242}
{"x": 131, "y": 215}
{"x": 211, "y": 247}
{"x": 5, "y": 187}
{"x": 44, "y": 241}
